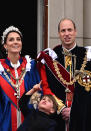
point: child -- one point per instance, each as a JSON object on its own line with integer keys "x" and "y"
{"x": 42, "y": 118}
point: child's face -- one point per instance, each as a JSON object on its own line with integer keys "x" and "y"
{"x": 46, "y": 105}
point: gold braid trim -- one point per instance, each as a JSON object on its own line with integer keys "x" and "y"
{"x": 60, "y": 104}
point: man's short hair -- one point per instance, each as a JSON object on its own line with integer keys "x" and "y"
{"x": 66, "y": 19}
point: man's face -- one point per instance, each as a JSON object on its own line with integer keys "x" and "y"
{"x": 67, "y": 33}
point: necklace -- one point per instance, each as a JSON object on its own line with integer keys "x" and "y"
{"x": 24, "y": 67}
{"x": 18, "y": 83}
{"x": 21, "y": 77}
{"x": 76, "y": 77}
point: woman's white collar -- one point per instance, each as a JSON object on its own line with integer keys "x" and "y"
{"x": 28, "y": 65}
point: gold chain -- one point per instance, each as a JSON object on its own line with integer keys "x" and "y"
{"x": 21, "y": 78}
{"x": 75, "y": 78}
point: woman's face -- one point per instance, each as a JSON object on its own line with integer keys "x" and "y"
{"x": 13, "y": 43}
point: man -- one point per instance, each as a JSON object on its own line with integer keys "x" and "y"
{"x": 61, "y": 72}
{"x": 80, "y": 116}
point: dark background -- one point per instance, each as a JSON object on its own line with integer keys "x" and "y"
{"x": 28, "y": 29}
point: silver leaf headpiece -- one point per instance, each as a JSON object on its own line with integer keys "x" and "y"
{"x": 9, "y": 29}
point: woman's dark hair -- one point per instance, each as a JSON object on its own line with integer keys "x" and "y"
{"x": 4, "y": 38}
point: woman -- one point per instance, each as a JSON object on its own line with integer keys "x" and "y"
{"x": 17, "y": 75}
